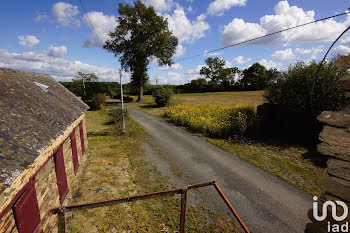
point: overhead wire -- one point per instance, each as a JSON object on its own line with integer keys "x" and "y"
{"x": 260, "y": 37}
{"x": 239, "y": 43}
{"x": 93, "y": 27}
{"x": 320, "y": 66}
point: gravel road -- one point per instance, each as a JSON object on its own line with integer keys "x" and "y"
{"x": 265, "y": 203}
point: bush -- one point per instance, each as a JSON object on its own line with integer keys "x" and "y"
{"x": 213, "y": 120}
{"x": 162, "y": 96}
{"x": 98, "y": 100}
{"x": 117, "y": 115}
{"x": 293, "y": 89}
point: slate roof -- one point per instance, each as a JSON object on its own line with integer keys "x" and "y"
{"x": 34, "y": 110}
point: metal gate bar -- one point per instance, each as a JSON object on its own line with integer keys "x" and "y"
{"x": 61, "y": 211}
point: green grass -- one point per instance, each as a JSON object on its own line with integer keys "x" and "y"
{"x": 115, "y": 167}
{"x": 294, "y": 164}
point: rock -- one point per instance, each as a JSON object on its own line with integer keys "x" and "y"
{"x": 335, "y": 142}
{"x": 339, "y": 168}
{"x": 334, "y": 151}
{"x": 335, "y": 186}
{"x": 340, "y": 118}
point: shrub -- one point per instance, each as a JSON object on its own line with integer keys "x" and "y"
{"x": 293, "y": 89}
{"x": 214, "y": 120}
{"x": 162, "y": 96}
{"x": 117, "y": 114}
{"x": 96, "y": 101}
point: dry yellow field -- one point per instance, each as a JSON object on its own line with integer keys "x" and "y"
{"x": 251, "y": 98}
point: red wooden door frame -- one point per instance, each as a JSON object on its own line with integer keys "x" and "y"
{"x": 81, "y": 129}
{"x": 74, "y": 151}
{"x": 26, "y": 210}
{"x": 61, "y": 174}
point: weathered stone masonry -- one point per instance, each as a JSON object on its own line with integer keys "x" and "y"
{"x": 29, "y": 179}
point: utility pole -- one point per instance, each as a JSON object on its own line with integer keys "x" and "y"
{"x": 84, "y": 86}
{"x": 157, "y": 78}
{"x": 121, "y": 98}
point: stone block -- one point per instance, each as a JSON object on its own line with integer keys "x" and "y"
{"x": 335, "y": 186}
{"x": 335, "y": 142}
{"x": 339, "y": 168}
{"x": 338, "y": 119}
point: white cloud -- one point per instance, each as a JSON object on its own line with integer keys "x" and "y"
{"x": 283, "y": 54}
{"x": 285, "y": 17}
{"x": 345, "y": 40}
{"x": 40, "y": 17}
{"x": 238, "y": 31}
{"x": 65, "y": 14}
{"x": 341, "y": 50}
{"x": 213, "y": 54}
{"x": 58, "y": 67}
{"x": 219, "y": 6}
{"x": 180, "y": 50}
{"x": 240, "y": 60}
{"x": 57, "y": 51}
{"x": 184, "y": 29}
{"x": 313, "y": 50}
{"x": 176, "y": 66}
{"x": 28, "y": 40}
{"x": 269, "y": 64}
{"x": 194, "y": 73}
{"x": 103, "y": 24}
{"x": 160, "y": 5}
{"x": 175, "y": 78}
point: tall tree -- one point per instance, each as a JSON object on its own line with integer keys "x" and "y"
{"x": 85, "y": 84}
{"x": 141, "y": 35}
{"x": 255, "y": 77}
{"x": 215, "y": 70}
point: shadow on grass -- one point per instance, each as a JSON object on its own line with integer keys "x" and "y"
{"x": 108, "y": 123}
{"x": 316, "y": 158}
{"x": 98, "y": 134}
{"x": 149, "y": 106}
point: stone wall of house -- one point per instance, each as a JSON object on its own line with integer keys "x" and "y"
{"x": 335, "y": 183}
{"x": 47, "y": 193}
{"x": 8, "y": 224}
{"x": 46, "y": 185}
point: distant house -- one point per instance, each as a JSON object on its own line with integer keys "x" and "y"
{"x": 42, "y": 140}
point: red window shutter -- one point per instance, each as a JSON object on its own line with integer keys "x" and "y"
{"x": 26, "y": 211}
{"x": 74, "y": 151}
{"x": 61, "y": 175}
{"x": 82, "y": 138}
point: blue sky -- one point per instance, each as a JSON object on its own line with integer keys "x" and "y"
{"x": 55, "y": 37}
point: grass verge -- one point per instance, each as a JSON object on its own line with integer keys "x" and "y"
{"x": 115, "y": 167}
{"x": 294, "y": 164}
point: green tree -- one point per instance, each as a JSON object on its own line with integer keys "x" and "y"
{"x": 292, "y": 90}
{"x": 86, "y": 85}
{"x": 141, "y": 35}
{"x": 255, "y": 77}
{"x": 215, "y": 70}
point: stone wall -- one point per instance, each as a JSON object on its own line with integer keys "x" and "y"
{"x": 335, "y": 183}
{"x": 46, "y": 185}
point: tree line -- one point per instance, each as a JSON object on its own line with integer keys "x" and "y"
{"x": 216, "y": 76}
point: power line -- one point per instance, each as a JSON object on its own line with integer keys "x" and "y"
{"x": 259, "y": 37}
{"x": 82, "y": 5}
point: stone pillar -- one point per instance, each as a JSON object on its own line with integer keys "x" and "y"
{"x": 335, "y": 183}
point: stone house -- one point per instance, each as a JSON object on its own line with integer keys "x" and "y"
{"x": 42, "y": 141}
